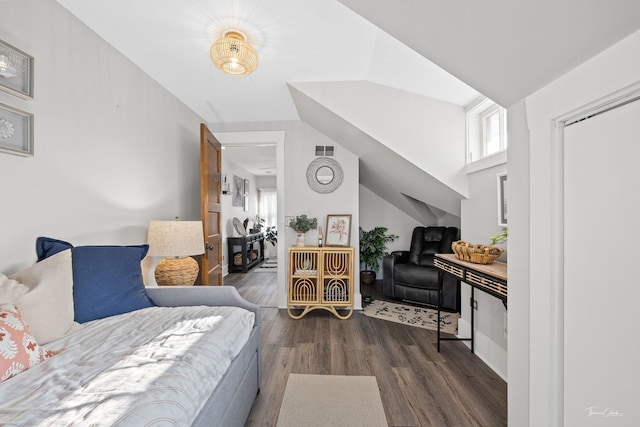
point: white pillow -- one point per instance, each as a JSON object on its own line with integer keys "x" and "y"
{"x": 47, "y": 304}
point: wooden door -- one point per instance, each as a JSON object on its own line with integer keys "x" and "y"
{"x": 211, "y": 188}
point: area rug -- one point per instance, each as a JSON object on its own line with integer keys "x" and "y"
{"x": 269, "y": 266}
{"x": 331, "y": 400}
{"x": 414, "y": 316}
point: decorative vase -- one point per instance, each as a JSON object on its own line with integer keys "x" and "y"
{"x": 300, "y": 240}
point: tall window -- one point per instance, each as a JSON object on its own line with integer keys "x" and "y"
{"x": 268, "y": 207}
{"x": 486, "y": 130}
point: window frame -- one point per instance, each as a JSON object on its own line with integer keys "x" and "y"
{"x": 476, "y": 113}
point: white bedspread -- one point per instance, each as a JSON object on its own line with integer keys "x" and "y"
{"x": 155, "y": 366}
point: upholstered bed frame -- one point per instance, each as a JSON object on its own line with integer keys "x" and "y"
{"x": 230, "y": 403}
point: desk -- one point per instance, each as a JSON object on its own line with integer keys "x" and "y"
{"x": 490, "y": 278}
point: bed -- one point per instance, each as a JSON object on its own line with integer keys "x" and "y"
{"x": 184, "y": 356}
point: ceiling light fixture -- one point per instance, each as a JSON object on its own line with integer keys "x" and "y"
{"x": 234, "y": 55}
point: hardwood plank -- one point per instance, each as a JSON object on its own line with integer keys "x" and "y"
{"x": 418, "y": 385}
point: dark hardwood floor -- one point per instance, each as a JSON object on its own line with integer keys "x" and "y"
{"x": 418, "y": 385}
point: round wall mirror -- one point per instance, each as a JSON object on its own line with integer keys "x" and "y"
{"x": 324, "y": 175}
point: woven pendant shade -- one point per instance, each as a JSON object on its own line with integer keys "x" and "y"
{"x": 234, "y": 55}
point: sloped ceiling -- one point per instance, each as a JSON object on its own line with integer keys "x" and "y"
{"x": 504, "y": 49}
{"x": 451, "y": 51}
{"x": 402, "y": 168}
{"x": 310, "y": 40}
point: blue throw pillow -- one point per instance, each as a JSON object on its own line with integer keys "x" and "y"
{"x": 107, "y": 280}
{"x": 45, "y": 247}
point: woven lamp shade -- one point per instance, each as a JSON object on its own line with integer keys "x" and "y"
{"x": 176, "y": 240}
{"x": 234, "y": 55}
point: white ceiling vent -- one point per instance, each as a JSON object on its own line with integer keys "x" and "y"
{"x": 325, "y": 151}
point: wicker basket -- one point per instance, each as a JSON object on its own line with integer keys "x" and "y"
{"x": 477, "y": 254}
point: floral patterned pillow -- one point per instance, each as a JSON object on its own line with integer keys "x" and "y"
{"x": 19, "y": 351}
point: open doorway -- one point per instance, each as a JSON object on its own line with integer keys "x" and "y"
{"x": 249, "y": 179}
{"x": 256, "y": 158}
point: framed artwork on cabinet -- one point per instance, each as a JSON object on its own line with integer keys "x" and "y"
{"x": 338, "y": 230}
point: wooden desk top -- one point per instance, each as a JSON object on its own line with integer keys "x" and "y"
{"x": 497, "y": 269}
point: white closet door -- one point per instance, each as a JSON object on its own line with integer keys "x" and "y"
{"x": 602, "y": 269}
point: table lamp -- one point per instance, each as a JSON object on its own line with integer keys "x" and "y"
{"x": 177, "y": 241}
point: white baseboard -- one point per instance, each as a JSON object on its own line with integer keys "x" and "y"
{"x": 488, "y": 351}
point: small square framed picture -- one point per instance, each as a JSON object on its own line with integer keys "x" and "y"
{"x": 338, "y": 230}
{"x": 16, "y": 131}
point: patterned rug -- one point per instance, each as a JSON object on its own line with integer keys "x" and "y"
{"x": 414, "y": 316}
{"x": 268, "y": 266}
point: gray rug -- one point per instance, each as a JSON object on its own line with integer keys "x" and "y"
{"x": 413, "y": 316}
{"x": 331, "y": 400}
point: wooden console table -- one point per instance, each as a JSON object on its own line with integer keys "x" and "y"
{"x": 246, "y": 244}
{"x": 490, "y": 278}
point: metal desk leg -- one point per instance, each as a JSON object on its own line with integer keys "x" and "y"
{"x": 440, "y": 281}
{"x": 473, "y": 310}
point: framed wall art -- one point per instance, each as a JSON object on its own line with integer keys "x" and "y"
{"x": 338, "y": 230}
{"x": 16, "y": 131}
{"x": 238, "y": 191}
{"x": 502, "y": 199}
{"x": 16, "y": 71}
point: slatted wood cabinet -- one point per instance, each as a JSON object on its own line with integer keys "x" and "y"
{"x": 321, "y": 278}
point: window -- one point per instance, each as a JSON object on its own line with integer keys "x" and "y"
{"x": 267, "y": 207}
{"x": 486, "y": 130}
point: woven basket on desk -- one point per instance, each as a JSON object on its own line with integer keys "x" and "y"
{"x": 477, "y": 254}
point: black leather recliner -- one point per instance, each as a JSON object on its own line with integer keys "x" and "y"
{"x": 411, "y": 276}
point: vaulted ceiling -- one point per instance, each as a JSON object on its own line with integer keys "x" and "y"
{"x": 445, "y": 51}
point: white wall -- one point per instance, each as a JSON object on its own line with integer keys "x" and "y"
{"x": 479, "y": 222}
{"x": 113, "y": 149}
{"x": 294, "y": 194}
{"x": 231, "y": 169}
{"x": 376, "y": 212}
{"x": 607, "y": 73}
{"x": 518, "y": 267}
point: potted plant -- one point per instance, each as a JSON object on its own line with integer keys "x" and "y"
{"x": 271, "y": 235}
{"x": 301, "y": 224}
{"x": 258, "y": 223}
{"x": 500, "y": 238}
{"x": 373, "y": 246}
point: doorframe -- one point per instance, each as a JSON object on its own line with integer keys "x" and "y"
{"x": 276, "y": 137}
{"x": 556, "y": 254}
